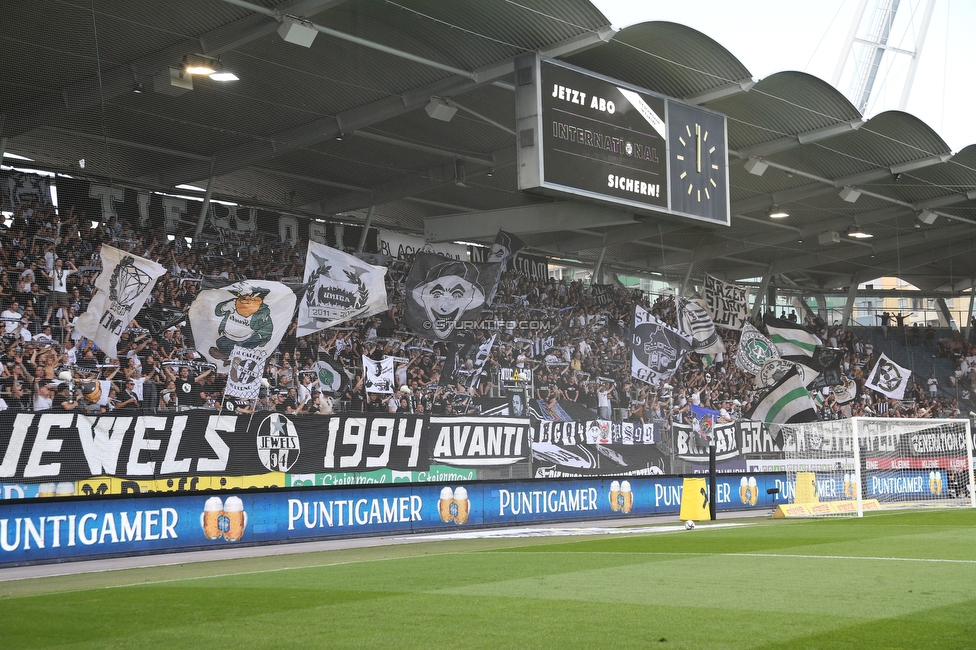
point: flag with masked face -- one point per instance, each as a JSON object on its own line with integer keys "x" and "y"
{"x": 442, "y": 293}
{"x": 340, "y": 287}
{"x": 244, "y": 321}
{"x": 506, "y": 247}
{"x": 378, "y": 376}
{"x": 888, "y": 378}
{"x": 123, "y": 286}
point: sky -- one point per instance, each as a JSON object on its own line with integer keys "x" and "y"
{"x": 770, "y": 36}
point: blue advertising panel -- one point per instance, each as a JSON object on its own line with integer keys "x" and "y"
{"x": 41, "y": 530}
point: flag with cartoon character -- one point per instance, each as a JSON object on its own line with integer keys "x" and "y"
{"x": 340, "y": 287}
{"x": 236, "y": 327}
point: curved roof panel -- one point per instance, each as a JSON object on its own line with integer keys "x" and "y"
{"x": 666, "y": 58}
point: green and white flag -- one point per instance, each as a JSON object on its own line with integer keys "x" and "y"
{"x": 754, "y": 350}
{"x": 785, "y": 401}
{"x": 790, "y": 337}
{"x": 244, "y": 322}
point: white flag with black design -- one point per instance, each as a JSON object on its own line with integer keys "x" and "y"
{"x": 123, "y": 286}
{"x": 378, "y": 376}
{"x": 888, "y": 378}
{"x": 244, "y": 375}
{"x": 340, "y": 287}
{"x": 656, "y": 349}
{"x": 694, "y": 321}
{"x": 727, "y": 303}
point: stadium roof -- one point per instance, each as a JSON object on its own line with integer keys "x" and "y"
{"x": 340, "y": 126}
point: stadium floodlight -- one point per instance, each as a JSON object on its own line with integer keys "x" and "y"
{"x": 844, "y": 467}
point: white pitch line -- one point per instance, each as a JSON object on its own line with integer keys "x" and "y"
{"x": 784, "y": 556}
{"x": 519, "y": 533}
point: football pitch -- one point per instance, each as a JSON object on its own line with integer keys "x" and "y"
{"x": 890, "y": 580}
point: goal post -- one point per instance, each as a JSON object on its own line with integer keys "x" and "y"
{"x": 844, "y": 467}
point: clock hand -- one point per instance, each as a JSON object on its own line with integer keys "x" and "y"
{"x": 698, "y": 145}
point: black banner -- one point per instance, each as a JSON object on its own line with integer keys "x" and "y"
{"x": 595, "y": 448}
{"x": 46, "y": 447}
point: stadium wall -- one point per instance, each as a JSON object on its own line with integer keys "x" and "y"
{"x": 60, "y": 529}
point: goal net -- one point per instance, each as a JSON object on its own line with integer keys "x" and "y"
{"x": 845, "y": 467}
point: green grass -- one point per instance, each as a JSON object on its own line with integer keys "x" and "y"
{"x": 890, "y": 580}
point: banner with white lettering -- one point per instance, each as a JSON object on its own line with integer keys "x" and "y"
{"x": 123, "y": 286}
{"x": 596, "y": 448}
{"x": 67, "y": 447}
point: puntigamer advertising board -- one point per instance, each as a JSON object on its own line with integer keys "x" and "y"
{"x": 61, "y": 529}
{"x": 581, "y": 134}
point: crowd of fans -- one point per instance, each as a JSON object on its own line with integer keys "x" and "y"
{"x": 576, "y": 343}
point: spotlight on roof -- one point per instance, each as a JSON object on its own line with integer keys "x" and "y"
{"x": 194, "y": 64}
{"x": 297, "y": 31}
{"x": 856, "y": 233}
{"x": 927, "y": 217}
{"x": 439, "y": 109}
{"x": 849, "y": 194}
{"x": 777, "y": 212}
{"x": 755, "y": 166}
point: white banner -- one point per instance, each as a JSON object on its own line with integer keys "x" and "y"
{"x": 244, "y": 376}
{"x": 123, "y": 285}
{"x": 340, "y": 287}
{"x": 888, "y": 378}
{"x": 252, "y": 314}
{"x": 727, "y": 303}
{"x": 378, "y": 375}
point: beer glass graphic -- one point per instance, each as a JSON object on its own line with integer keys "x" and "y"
{"x": 462, "y": 507}
{"x": 444, "y": 505}
{"x": 626, "y": 497}
{"x": 213, "y": 509}
{"x": 615, "y": 501}
{"x": 236, "y": 519}
{"x": 453, "y": 505}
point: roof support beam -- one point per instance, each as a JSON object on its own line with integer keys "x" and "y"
{"x": 613, "y": 236}
{"x": 790, "y": 142}
{"x": 544, "y": 217}
{"x": 306, "y": 135}
{"x": 798, "y": 263}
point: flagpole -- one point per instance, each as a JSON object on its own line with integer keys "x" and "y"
{"x": 712, "y": 489}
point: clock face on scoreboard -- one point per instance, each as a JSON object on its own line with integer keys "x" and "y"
{"x": 698, "y": 161}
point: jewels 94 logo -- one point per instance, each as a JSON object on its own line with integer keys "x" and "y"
{"x": 278, "y": 443}
{"x": 225, "y": 519}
